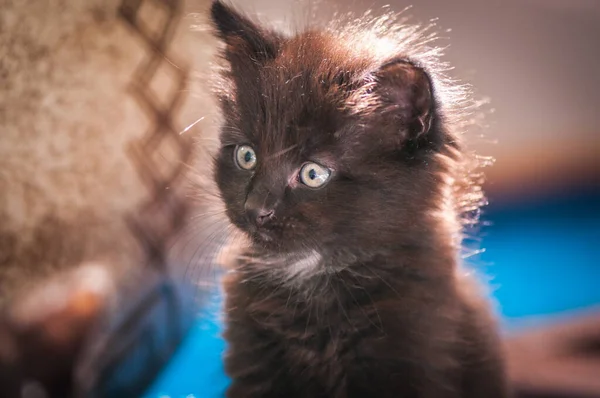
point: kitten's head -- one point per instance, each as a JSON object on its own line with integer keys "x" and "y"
{"x": 329, "y": 141}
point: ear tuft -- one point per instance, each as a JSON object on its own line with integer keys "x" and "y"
{"x": 237, "y": 31}
{"x": 406, "y": 92}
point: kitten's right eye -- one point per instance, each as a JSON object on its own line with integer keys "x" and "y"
{"x": 245, "y": 157}
{"x": 314, "y": 175}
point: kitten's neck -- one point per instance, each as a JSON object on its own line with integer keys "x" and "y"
{"x": 305, "y": 269}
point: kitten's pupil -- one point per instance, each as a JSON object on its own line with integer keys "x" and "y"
{"x": 312, "y": 174}
{"x": 248, "y": 156}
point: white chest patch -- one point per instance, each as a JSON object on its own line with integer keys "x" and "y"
{"x": 290, "y": 269}
{"x": 298, "y": 268}
{"x": 306, "y": 265}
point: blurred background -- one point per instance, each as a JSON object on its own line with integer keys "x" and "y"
{"x": 66, "y": 184}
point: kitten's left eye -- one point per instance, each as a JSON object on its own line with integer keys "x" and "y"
{"x": 245, "y": 157}
{"x": 314, "y": 175}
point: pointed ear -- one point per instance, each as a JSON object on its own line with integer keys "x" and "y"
{"x": 406, "y": 94}
{"x": 242, "y": 35}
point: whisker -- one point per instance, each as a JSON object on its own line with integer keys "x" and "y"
{"x": 185, "y": 130}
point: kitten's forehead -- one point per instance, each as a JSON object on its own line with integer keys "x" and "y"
{"x": 301, "y": 95}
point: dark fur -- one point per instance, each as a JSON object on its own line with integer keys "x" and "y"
{"x": 387, "y": 311}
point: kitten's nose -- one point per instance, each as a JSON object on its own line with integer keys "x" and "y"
{"x": 260, "y": 216}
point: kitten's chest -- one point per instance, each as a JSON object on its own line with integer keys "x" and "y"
{"x": 322, "y": 316}
{"x": 317, "y": 345}
{"x": 314, "y": 331}
{"x": 326, "y": 344}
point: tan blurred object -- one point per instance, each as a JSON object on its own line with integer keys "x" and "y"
{"x": 52, "y": 320}
{"x": 66, "y": 117}
{"x": 558, "y": 360}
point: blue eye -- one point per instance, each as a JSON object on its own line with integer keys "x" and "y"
{"x": 314, "y": 175}
{"x": 245, "y": 157}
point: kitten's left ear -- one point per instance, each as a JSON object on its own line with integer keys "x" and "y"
{"x": 241, "y": 35}
{"x": 406, "y": 93}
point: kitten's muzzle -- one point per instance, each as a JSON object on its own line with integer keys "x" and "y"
{"x": 261, "y": 204}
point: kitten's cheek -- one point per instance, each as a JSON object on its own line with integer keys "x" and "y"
{"x": 242, "y": 223}
{"x": 235, "y": 218}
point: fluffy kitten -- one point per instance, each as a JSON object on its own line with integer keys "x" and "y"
{"x": 341, "y": 161}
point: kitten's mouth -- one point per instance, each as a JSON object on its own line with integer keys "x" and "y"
{"x": 270, "y": 238}
{"x": 261, "y": 235}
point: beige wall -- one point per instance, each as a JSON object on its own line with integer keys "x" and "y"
{"x": 65, "y": 118}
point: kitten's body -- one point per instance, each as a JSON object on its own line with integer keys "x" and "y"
{"x": 384, "y": 334}
{"x": 352, "y": 289}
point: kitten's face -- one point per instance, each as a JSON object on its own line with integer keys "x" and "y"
{"x": 299, "y": 168}
{"x": 289, "y": 185}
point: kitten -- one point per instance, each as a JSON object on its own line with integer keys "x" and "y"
{"x": 340, "y": 160}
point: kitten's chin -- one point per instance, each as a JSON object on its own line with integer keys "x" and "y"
{"x": 274, "y": 240}
{"x": 269, "y": 240}
{"x": 264, "y": 236}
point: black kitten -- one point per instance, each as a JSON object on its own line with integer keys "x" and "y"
{"x": 341, "y": 161}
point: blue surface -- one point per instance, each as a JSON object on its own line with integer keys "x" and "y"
{"x": 196, "y": 371}
{"x": 542, "y": 259}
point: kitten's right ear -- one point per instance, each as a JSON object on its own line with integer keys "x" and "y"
{"x": 406, "y": 93}
{"x": 241, "y": 35}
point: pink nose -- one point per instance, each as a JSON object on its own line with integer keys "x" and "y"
{"x": 260, "y": 216}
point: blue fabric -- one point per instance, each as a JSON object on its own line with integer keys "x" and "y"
{"x": 542, "y": 259}
{"x": 196, "y": 370}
